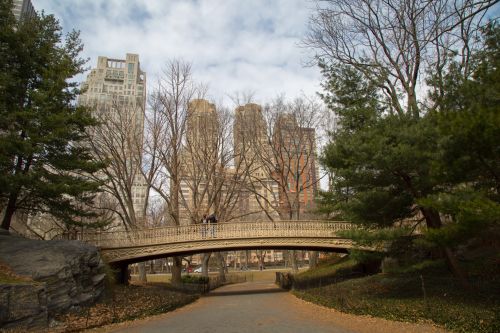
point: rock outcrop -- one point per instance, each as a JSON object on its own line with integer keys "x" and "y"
{"x": 23, "y": 306}
{"x": 67, "y": 274}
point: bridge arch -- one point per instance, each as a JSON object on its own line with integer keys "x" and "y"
{"x": 124, "y": 247}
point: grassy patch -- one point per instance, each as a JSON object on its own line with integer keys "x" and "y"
{"x": 328, "y": 272}
{"x": 400, "y": 296}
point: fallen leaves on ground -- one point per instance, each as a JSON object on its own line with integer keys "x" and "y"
{"x": 125, "y": 303}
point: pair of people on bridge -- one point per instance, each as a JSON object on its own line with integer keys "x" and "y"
{"x": 208, "y": 223}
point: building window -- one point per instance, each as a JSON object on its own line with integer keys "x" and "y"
{"x": 130, "y": 68}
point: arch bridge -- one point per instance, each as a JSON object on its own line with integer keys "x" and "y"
{"x": 123, "y": 247}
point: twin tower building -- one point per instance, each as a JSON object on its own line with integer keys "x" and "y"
{"x": 267, "y": 190}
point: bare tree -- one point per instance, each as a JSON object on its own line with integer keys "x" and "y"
{"x": 250, "y": 138}
{"x": 117, "y": 141}
{"x": 393, "y": 42}
{"x": 287, "y": 158}
{"x": 166, "y": 129}
{"x": 261, "y": 256}
{"x": 156, "y": 212}
{"x": 211, "y": 180}
{"x": 278, "y": 148}
{"x": 242, "y": 97}
{"x": 313, "y": 259}
{"x": 209, "y": 171}
{"x": 230, "y": 173}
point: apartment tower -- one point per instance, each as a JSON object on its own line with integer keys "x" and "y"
{"x": 116, "y": 92}
{"x": 253, "y": 155}
{"x": 199, "y": 152}
{"x": 295, "y": 147}
{"x": 23, "y": 9}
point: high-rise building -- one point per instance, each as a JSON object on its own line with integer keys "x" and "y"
{"x": 253, "y": 155}
{"x": 23, "y": 8}
{"x": 250, "y": 136}
{"x": 116, "y": 92}
{"x": 116, "y": 80}
{"x": 295, "y": 147}
{"x": 202, "y": 124}
{"x": 199, "y": 152}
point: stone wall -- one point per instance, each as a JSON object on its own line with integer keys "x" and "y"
{"x": 70, "y": 273}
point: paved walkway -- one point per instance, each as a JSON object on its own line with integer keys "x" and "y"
{"x": 261, "y": 307}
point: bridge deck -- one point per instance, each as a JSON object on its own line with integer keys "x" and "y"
{"x": 137, "y": 245}
{"x": 197, "y": 232}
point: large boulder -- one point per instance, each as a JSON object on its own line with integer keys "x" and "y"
{"x": 71, "y": 272}
{"x": 23, "y": 306}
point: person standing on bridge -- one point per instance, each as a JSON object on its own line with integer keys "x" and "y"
{"x": 204, "y": 222}
{"x": 212, "y": 221}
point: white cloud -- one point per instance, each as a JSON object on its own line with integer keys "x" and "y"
{"x": 233, "y": 45}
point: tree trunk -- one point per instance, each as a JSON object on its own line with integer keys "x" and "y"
{"x": 293, "y": 261}
{"x": 313, "y": 259}
{"x": 176, "y": 271}
{"x": 222, "y": 267}
{"x": 226, "y": 266}
{"x": 261, "y": 254}
{"x": 9, "y": 211}
{"x": 452, "y": 262}
{"x": 433, "y": 221}
{"x": 142, "y": 272}
{"x": 204, "y": 263}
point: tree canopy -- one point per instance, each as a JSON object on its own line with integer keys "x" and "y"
{"x": 440, "y": 166}
{"x": 42, "y": 153}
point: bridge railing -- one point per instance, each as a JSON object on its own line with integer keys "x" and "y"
{"x": 196, "y": 232}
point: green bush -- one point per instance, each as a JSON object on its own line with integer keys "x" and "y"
{"x": 195, "y": 279}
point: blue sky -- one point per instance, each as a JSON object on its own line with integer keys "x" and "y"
{"x": 234, "y": 45}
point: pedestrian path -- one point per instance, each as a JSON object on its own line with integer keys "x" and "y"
{"x": 262, "y": 307}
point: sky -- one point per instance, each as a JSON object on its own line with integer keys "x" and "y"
{"x": 233, "y": 45}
